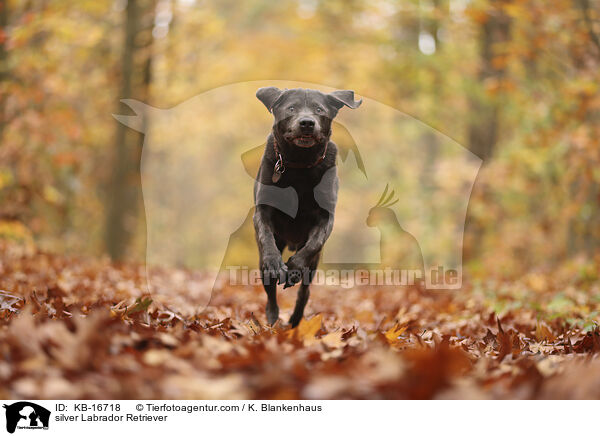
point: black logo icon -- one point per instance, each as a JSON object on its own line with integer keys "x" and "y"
{"x": 26, "y": 415}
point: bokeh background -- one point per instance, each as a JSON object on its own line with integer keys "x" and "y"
{"x": 514, "y": 81}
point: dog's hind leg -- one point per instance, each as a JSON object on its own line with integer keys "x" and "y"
{"x": 301, "y": 300}
{"x": 272, "y": 309}
{"x": 303, "y": 293}
{"x": 270, "y": 285}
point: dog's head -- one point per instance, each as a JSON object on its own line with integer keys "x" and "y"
{"x": 303, "y": 116}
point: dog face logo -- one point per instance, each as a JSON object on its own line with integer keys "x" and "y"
{"x": 198, "y": 169}
{"x": 26, "y": 415}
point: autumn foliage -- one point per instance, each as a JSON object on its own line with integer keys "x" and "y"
{"x": 73, "y": 328}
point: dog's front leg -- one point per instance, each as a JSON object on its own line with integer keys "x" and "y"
{"x": 303, "y": 265}
{"x": 271, "y": 264}
{"x": 299, "y": 265}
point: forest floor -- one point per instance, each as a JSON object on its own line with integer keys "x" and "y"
{"x": 86, "y": 329}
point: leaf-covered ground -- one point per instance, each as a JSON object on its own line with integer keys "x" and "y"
{"x": 73, "y": 328}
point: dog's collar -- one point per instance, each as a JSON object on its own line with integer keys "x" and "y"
{"x": 297, "y": 164}
{"x": 280, "y": 164}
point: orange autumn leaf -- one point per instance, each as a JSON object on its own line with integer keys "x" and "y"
{"x": 393, "y": 334}
{"x": 307, "y": 329}
{"x": 543, "y": 333}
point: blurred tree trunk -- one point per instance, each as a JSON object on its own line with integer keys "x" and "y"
{"x": 124, "y": 190}
{"x": 3, "y": 64}
{"x": 431, "y": 24}
{"x": 484, "y": 125}
{"x": 408, "y": 29}
{"x": 587, "y": 14}
{"x": 483, "y": 128}
{"x": 592, "y": 225}
{"x": 583, "y": 234}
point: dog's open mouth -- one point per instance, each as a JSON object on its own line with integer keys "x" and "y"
{"x": 305, "y": 141}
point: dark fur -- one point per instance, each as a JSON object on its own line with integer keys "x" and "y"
{"x": 302, "y": 133}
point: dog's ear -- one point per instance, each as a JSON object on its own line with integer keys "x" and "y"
{"x": 341, "y": 98}
{"x": 269, "y": 96}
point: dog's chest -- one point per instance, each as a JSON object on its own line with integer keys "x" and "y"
{"x": 296, "y": 229}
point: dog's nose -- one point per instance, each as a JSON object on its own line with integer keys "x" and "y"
{"x": 307, "y": 123}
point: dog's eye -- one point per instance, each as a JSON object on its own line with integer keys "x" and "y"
{"x": 319, "y": 110}
{"x": 291, "y": 109}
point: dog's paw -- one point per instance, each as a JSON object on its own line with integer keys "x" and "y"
{"x": 274, "y": 269}
{"x": 272, "y": 312}
{"x": 295, "y": 320}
